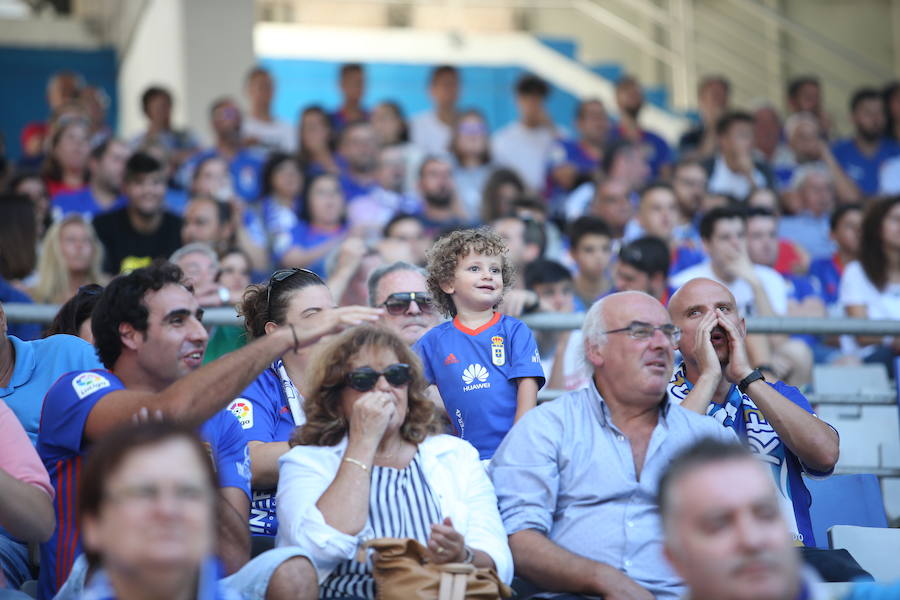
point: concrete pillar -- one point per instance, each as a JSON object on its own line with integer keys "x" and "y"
{"x": 199, "y": 49}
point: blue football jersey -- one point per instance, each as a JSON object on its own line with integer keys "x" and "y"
{"x": 61, "y": 445}
{"x": 265, "y": 416}
{"x": 475, "y": 372}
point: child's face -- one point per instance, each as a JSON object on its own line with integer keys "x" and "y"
{"x": 477, "y": 282}
{"x": 592, "y": 255}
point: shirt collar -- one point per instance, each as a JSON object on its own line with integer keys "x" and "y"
{"x": 25, "y": 364}
{"x": 601, "y": 410}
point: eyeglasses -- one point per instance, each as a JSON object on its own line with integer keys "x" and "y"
{"x": 363, "y": 379}
{"x": 643, "y": 331}
{"x": 397, "y": 304}
{"x": 145, "y": 494}
{"x": 281, "y": 275}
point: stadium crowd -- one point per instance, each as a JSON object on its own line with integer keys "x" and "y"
{"x": 381, "y": 263}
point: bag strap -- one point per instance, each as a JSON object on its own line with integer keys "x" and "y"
{"x": 453, "y": 580}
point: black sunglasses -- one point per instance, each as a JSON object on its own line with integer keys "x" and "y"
{"x": 282, "y": 275}
{"x": 397, "y": 304}
{"x": 363, "y": 379}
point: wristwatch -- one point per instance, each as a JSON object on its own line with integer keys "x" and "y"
{"x": 754, "y": 375}
{"x": 470, "y": 556}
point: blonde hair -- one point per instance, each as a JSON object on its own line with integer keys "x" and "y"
{"x": 53, "y": 285}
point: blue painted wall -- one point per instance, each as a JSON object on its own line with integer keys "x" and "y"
{"x": 490, "y": 89}
{"x": 23, "y": 83}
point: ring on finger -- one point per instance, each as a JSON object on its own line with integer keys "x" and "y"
{"x": 440, "y": 550}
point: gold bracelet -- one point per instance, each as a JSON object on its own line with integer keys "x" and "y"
{"x": 358, "y": 463}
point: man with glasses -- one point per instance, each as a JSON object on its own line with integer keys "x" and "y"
{"x": 576, "y": 478}
{"x": 775, "y": 420}
{"x": 400, "y": 289}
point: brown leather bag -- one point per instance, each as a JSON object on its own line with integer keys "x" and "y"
{"x": 402, "y": 572}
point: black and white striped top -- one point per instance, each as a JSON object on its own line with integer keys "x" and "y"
{"x": 401, "y": 505}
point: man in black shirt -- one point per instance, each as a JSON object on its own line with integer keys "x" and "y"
{"x": 143, "y": 230}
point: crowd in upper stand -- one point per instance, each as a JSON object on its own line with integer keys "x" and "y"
{"x": 361, "y": 213}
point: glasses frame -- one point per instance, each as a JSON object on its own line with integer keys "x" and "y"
{"x": 673, "y": 334}
{"x": 410, "y": 297}
{"x": 405, "y": 374}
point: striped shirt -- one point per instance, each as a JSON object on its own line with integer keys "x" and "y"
{"x": 401, "y": 505}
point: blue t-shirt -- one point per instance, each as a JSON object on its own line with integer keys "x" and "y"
{"x": 743, "y": 416}
{"x": 354, "y": 189}
{"x": 38, "y": 364}
{"x": 862, "y": 169}
{"x": 570, "y": 152}
{"x": 245, "y": 169}
{"x": 62, "y": 447}
{"x": 658, "y": 152}
{"x": 475, "y": 369}
{"x": 265, "y": 416}
{"x": 83, "y": 202}
{"x": 23, "y": 331}
{"x": 306, "y": 236}
{"x": 827, "y": 272}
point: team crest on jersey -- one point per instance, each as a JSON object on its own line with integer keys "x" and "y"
{"x": 88, "y": 383}
{"x": 498, "y": 354}
{"x": 243, "y": 410}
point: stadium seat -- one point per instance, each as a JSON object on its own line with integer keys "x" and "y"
{"x": 876, "y": 549}
{"x": 845, "y": 500}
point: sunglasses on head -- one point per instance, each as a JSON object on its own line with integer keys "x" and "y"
{"x": 397, "y": 304}
{"x": 363, "y": 379}
{"x": 279, "y": 276}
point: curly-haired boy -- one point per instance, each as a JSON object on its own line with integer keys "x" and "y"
{"x": 486, "y": 365}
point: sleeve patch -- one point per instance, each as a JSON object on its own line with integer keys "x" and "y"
{"x": 88, "y": 383}
{"x": 243, "y": 410}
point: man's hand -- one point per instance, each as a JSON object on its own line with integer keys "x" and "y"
{"x": 619, "y": 586}
{"x": 705, "y": 353}
{"x": 515, "y": 302}
{"x": 738, "y": 366}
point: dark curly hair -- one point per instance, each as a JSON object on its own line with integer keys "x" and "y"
{"x": 444, "y": 257}
{"x": 123, "y": 302}
{"x": 326, "y": 425}
{"x": 75, "y": 311}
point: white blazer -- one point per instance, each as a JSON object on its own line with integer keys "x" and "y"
{"x": 452, "y": 469}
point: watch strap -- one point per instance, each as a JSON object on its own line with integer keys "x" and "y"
{"x": 754, "y": 375}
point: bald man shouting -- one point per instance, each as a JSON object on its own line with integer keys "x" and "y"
{"x": 774, "y": 419}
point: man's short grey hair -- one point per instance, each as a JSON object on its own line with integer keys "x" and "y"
{"x": 195, "y": 247}
{"x": 796, "y": 119}
{"x": 377, "y": 274}
{"x": 804, "y": 172}
{"x": 595, "y": 320}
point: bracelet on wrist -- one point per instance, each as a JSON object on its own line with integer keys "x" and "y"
{"x": 358, "y": 463}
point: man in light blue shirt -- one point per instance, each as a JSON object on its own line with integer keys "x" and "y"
{"x": 28, "y": 369}
{"x": 576, "y": 478}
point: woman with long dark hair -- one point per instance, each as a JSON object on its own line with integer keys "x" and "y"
{"x": 870, "y": 286}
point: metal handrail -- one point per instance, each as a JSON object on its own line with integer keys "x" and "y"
{"x": 17, "y": 312}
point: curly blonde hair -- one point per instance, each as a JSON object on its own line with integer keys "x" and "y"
{"x": 444, "y": 257}
{"x": 326, "y": 425}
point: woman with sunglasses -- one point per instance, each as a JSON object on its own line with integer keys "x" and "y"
{"x": 470, "y": 146}
{"x": 367, "y": 463}
{"x": 271, "y": 407}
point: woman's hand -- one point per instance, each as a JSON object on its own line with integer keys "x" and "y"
{"x": 446, "y": 544}
{"x": 370, "y": 416}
